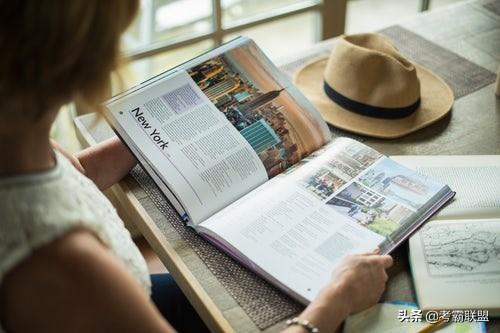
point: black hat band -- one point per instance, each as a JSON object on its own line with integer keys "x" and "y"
{"x": 369, "y": 110}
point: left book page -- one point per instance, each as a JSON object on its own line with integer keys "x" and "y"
{"x": 211, "y": 130}
{"x": 189, "y": 144}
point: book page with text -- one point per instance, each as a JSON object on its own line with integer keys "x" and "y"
{"x": 206, "y": 163}
{"x": 256, "y": 103}
{"x": 344, "y": 199}
{"x": 280, "y": 124}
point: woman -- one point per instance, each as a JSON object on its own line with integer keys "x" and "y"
{"x": 66, "y": 261}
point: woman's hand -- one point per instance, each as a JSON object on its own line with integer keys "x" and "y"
{"x": 105, "y": 163}
{"x": 361, "y": 279}
{"x": 76, "y": 163}
{"x": 357, "y": 283}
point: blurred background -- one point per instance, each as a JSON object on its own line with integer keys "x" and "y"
{"x": 169, "y": 32}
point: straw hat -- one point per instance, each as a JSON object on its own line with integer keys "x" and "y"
{"x": 366, "y": 86}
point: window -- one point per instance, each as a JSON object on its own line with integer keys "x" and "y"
{"x": 168, "y": 32}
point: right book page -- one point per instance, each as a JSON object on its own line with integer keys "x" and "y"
{"x": 346, "y": 198}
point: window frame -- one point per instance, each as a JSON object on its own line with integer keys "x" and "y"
{"x": 332, "y": 17}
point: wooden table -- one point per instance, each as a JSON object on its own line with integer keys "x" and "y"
{"x": 468, "y": 29}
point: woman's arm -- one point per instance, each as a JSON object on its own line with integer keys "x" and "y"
{"x": 75, "y": 284}
{"x": 356, "y": 284}
{"x": 105, "y": 163}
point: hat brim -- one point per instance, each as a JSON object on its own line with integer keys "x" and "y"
{"x": 436, "y": 101}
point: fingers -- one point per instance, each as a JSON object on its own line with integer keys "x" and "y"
{"x": 385, "y": 277}
{"x": 386, "y": 261}
{"x": 375, "y": 251}
{"x": 373, "y": 261}
{"x": 367, "y": 254}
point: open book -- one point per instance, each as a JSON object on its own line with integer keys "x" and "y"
{"x": 455, "y": 258}
{"x": 249, "y": 164}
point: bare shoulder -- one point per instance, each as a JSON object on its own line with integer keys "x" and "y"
{"x": 75, "y": 284}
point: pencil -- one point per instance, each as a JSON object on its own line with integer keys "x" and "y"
{"x": 433, "y": 327}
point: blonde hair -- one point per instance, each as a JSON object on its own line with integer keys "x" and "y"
{"x": 56, "y": 51}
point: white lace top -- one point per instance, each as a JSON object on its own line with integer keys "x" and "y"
{"x": 37, "y": 208}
